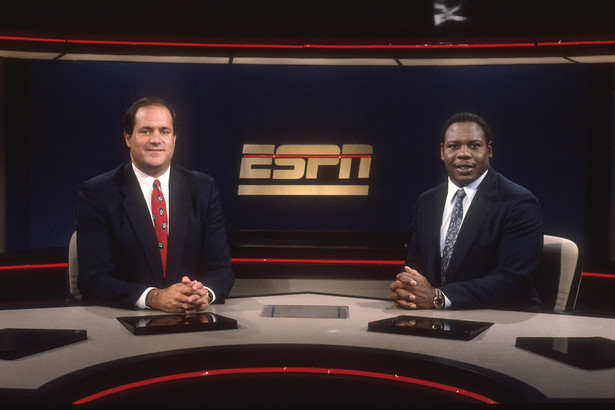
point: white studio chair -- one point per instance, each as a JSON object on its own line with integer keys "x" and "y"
{"x": 73, "y": 268}
{"x": 558, "y": 274}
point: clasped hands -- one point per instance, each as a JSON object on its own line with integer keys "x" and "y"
{"x": 187, "y": 296}
{"x": 412, "y": 290}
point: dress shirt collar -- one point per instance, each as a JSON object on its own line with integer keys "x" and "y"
{"x": 146, "y": 182}
{"x": 470, "y": 189}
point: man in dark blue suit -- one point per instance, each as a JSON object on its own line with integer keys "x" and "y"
{"x": 476, "y": 240}
{"x": 122, "y": 260}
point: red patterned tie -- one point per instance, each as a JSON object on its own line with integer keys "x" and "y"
{"x": 159, "y": 210}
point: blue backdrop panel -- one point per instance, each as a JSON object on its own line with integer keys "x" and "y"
{"x": 537, "y": 116}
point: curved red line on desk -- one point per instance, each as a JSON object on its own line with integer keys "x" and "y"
{"x": 306, "y": 370}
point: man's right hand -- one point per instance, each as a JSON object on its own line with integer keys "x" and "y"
{"x": 184, "y": 297}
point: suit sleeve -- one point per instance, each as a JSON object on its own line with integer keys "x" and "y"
{"x": 414, "y": 258}
{"x": 505, "y": 270}
{"x": 98, "y": 280}
{"x": 215, "y": 259}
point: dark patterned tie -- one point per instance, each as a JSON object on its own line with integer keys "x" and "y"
{"x": 451, "y": 234}
{"x": 159, "y": 211}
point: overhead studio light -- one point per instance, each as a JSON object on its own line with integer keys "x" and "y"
{"x": 447, "y": 10}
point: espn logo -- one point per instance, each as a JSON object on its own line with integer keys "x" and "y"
{"x": 305, "y": 169}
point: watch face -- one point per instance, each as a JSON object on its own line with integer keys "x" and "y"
{"x": 438, "y": 300}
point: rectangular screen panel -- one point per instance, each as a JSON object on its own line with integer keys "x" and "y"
{"x": 429, "y": 327}
{"x": 177, "y": 323}
{"x": 17, "y": 343}
{"x": 305, "y": 311}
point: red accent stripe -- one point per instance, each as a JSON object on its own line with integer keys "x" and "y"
{"x": 237, "y": 260}
{"x": 335, "y": 261}
{"x": 248, "y": 45}
{"x": 576, "y": 43}
{"x": 413, "y": 46}
{"x": 599, "y": 275}
{"x": 174, "y": 44}
{"x": 41, "y": 266}
{"x": 309, "y": 370}
{"x": 35, "y": 39}
{"x": 283, "y": 260}
{"x": 300, "y": 46}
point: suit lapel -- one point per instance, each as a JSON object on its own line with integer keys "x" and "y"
{"x": 180, "y": 209}
{"x": 480, "y": 207}
{"x": 434, "y": 218}
{"x": 138, "y": 214}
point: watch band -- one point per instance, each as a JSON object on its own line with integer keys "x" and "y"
{"x": 210, "y": 296}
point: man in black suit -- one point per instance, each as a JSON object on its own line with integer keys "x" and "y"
{"x": 476, "y": 248}
{"x": 184, "y": 263}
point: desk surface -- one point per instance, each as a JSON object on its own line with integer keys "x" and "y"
{"x": 494, "y": 350}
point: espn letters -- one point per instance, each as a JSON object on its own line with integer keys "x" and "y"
{"x": 310, "y": 169}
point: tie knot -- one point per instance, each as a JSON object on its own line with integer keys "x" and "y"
{"x": 460, "y": 194}
{"x": 156, "y": 183}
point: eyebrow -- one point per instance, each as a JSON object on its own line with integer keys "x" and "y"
{"x": 469, "y": 142}
{"x": 147, "y": 127}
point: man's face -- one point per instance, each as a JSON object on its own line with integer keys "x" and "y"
{"x": 152, "y": 142}
{"x": 465, "y": 152}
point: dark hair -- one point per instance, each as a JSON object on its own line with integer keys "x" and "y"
{"x": 129, "y": 117}
{"x": 467, "y": 117}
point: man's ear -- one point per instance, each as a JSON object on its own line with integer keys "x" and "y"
{"x": 127, "y": 139}
{"x": 442, "y": 151}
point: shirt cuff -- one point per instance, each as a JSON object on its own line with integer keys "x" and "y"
{"x": 213, "y": 295}
{"x": 141, "y": 301}
{"x": 447, "y": 301}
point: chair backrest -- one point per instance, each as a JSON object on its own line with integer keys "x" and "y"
{"x": 558, "y": 274}
{"x": 73, "y": 268}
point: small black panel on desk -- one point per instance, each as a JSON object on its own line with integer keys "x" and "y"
{"x": 178, "y": 323}
{"x": 430, "y": 327}
{"x": 17, "y": 343}
{"x": 587, "y": 353}
{"x": 305, "y": 311}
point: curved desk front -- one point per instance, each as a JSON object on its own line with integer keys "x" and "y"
{"x": 306, "y": 360}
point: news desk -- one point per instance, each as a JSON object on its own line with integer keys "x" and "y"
{"x": 307, "y": 360}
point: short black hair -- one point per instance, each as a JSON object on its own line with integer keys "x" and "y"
{"x": 129, "y": 117}
{"x": 467, "y": 117}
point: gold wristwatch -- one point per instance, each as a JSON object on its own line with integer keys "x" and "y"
{"x": 438, "y": 300}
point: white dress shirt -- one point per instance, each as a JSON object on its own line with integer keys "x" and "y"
{"x": 470, "y": 191}
{"x": 146, "y": 183}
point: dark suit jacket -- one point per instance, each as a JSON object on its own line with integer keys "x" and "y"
{"x": 498, "y": 248}
{"x": 117, "y": 246}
